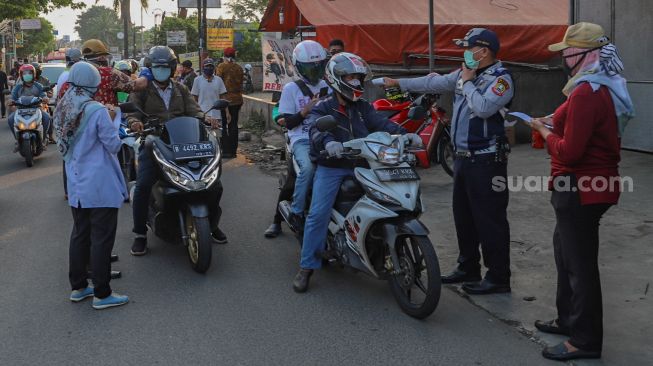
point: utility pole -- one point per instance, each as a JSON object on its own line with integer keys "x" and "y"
{"x": 142, "y": 31}
{"x": 124, "y": 4}
{"x": 431, "y": 36}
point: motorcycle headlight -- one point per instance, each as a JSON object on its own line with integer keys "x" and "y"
{"x": 384, "y": 154}
{"x": 380, "y": 196}
{"x": 32, "y": 126}
{"x": 210, "y": 178}
{"x": 21, "y": 126}
{"x": 177, "y": 178}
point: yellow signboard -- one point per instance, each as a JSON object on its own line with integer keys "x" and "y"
{"x": 219, "y": 34}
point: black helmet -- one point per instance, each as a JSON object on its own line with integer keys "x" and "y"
{"x": 343, "y": 64}
{"x": 37, "y": 67}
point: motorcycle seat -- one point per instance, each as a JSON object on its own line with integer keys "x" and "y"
{"x": 350, "y": 192}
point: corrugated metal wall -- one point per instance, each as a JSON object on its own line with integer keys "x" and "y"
{"x": 630, "y": 25}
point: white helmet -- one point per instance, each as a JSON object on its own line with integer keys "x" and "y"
{"x": 309, "y": 59}
{"x": 342, "y": 65}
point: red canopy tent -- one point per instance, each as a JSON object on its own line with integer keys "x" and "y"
{"x": 385, "y": 31}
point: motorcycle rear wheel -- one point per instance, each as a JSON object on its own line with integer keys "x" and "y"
{"x": 199, "y": 242}
{"x": 26, "y": 151}
{"x": 418, "y": 263}
{"x": 445, "y": 154}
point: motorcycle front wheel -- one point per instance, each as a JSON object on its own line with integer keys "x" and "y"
{"x": 417, "y": 285}
{"x": 199, "y": 242}
{"x": 26, "y": 151}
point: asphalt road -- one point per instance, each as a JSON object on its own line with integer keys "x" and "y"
{"x": 241, "y": 312}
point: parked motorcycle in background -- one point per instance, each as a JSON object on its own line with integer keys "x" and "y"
{"x": 428, "y": 120}
{"x": 248, "y": 86}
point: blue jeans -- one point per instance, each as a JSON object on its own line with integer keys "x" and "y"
{"x": 301, "y": 150}
{"x": 145, "y": 179}
{"x": 325, "y": 189}
{"x": 45, "y": 122}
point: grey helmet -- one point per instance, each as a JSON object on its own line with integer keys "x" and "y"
{"x": 161, "y": 56}
{"x": 73, "y": 55}
{"x": 345, "y": 63}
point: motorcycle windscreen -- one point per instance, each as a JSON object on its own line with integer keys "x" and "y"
{"x": 183, "y": 130}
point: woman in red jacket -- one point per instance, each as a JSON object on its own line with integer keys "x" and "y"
{"x": 584, "y": 144}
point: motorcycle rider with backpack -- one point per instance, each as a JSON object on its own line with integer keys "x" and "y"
{"x": 164, "y": 99}
{"x": 345, "y": 74}
{"x": 297, "y": 100}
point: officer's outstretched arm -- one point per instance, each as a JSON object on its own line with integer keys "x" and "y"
{"x": 433, "y": 83}
{"x": 495, "y": 97}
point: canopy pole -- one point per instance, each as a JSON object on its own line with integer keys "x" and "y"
{"x": 431, "y": 36}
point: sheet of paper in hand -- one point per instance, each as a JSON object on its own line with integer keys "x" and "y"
{"x": 525, "y": 118}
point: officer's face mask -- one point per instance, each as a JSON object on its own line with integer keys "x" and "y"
{"x": 28, "y": 77}
{"x": 161, "y": 74}
{"x": 470, "y": 62}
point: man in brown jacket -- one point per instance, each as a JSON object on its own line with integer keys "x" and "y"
{"x": 165, "y": 99}
{"x": 233, "y": 75}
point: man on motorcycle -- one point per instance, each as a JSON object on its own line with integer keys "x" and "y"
{"x": 297, "y": 100}
{"x": 356, "y": 117}
{"x": 164, "y": 99}
{"x": 28, "y": 87}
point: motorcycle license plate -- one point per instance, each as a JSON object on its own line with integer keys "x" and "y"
{"x": 193, "y": 150}
{"x": 396, "y": 174}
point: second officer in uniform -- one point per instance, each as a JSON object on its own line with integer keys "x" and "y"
{"x": 483, "y": 88}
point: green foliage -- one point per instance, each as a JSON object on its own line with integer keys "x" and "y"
{"x": 157, "y": 35}
{"x": 99, "y": 22}
{"x": 250, "y": 10}
{"x": 249, "y": 50}
{"x": 24, "y": 9}
{"x": 37, "y": 40}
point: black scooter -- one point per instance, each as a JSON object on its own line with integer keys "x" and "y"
{"x": 184, "y": 201}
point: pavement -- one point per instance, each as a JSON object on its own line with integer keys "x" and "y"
{"x": 241, "y": 312}
{"x": 625, "y": 260}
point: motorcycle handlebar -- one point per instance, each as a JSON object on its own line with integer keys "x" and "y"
{"x": 347, "y": 153}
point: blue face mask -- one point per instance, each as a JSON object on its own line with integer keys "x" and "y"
{"x": 161, "y": 74}
{"x": 28, "y": 78}
{"x": 469, "y": 59}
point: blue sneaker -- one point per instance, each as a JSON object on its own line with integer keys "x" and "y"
{"x": 79, "y": 295}
{"x": 112, "y": 300}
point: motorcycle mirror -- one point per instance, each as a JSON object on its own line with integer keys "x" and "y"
{"x": 220, "y": 104}
{"x": 417, "y": 113}
{"x": 326, "y": 123}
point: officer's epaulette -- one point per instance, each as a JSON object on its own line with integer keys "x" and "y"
{"x": 501, "y": 71}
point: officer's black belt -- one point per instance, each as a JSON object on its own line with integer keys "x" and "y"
{"x": 464, "y": 154}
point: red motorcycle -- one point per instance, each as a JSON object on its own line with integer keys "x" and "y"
{"x": 423, "y": 116}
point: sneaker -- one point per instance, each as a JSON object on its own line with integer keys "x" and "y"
{"x": 139, "y": 247}
{"x": 219, "y": 237}
{"x": 112, "y": 300}
{"x": 79, "y": 295}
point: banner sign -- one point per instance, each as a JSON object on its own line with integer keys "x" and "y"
{"x": 30, "y": 24}
{"x": 176, "y": 38}
{"x": 193, "y": 4}
{"x": 193, "y": 57}
{"x": 277, "y": 61}
{"x": 219, "y": 34}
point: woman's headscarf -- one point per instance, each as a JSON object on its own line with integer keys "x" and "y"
{"x": 602, "y": 66}
{"x": 83, "y": 81}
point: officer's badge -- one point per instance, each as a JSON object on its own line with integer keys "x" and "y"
{"x": 500, "y": 87}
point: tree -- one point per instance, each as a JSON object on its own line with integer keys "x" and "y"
{"x": 157, "y": 35}
{"x": 125, "y": 16}
{"x": 249, "y": 10}
{"x": 249, "y": 48}
{"x": 37, "y": 40}
{"x": 99, "y": 22}
{"x": 31, "y": 8}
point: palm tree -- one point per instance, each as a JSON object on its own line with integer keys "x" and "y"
{"x": 125, "y": 15}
